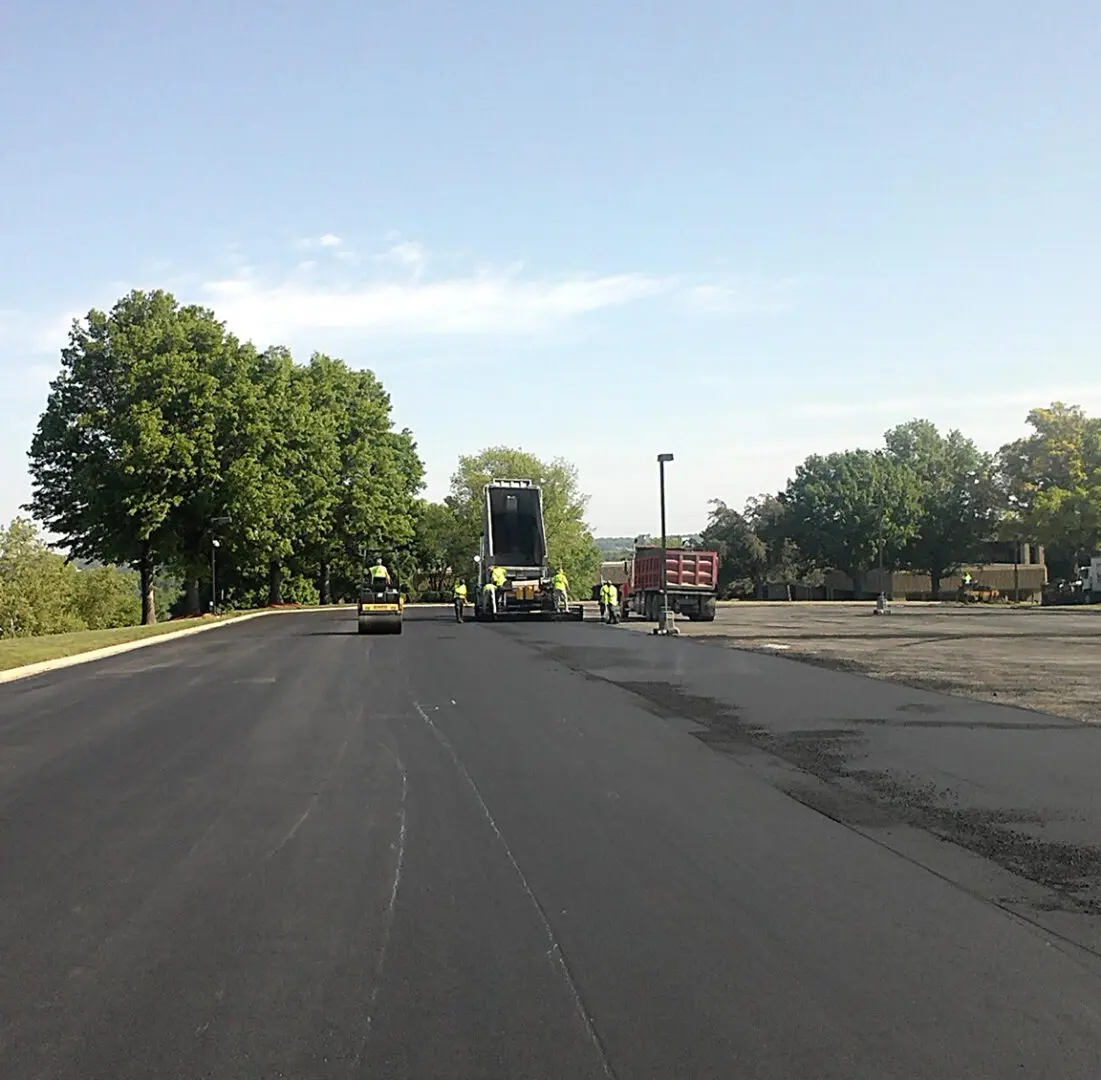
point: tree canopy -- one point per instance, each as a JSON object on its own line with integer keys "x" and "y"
{"x": 959, "y": 501}
{"x": 163, "y": 432}
{"x": 842, "y": 509}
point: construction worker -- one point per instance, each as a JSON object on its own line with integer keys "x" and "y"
{"x": 601, "y": 595}
{"x": 460, "y": 599}
{"x": 489, "y": 595}
{"x": 498, "y": 575}
{"x": 611, "y": 602}
{"x": 561, "y": 585}
{"x": 379, "y": 575}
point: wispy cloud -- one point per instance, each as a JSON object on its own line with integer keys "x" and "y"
{"x": 484, "y": 303}
{"x": 328, "y": 240}
{"x": 741, "y": 297}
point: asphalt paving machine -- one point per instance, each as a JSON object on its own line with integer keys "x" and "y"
{"x": 514, "y": 556}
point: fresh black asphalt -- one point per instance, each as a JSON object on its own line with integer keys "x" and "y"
{"x": 562, "y": 851}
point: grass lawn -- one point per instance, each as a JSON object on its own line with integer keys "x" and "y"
{"x": 15, "y": 652}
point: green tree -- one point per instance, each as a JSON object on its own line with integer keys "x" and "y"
{"x": 844, "y": 508}
{"x": 570, "y": 542}
{"x": 1052, "y": 481}
{"x": 752, "y": 546}
{"x": 123, "y": 435}
{"x": 104, "y": 597}
{"x": 442, "y": 546}
{"x": 358, "y": 477}
{"x": 959, "y": 497}
{"x": 36, "y": 585}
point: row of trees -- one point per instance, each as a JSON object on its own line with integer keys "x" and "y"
{"x": 925, "y": 501}
{"x": 164, "y": 433}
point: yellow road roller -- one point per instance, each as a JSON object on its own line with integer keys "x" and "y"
{"x": 380, "y": 610}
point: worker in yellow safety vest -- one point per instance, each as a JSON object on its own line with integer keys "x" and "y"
{"x": 561, "y": 583}
{"x": 609, "y": 596}
{"x": 379, "y": 575}
{"x": 498, "y": 575}
{"x": 460, "y": 591}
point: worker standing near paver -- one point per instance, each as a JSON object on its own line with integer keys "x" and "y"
{"x": 561, "y": 586}
{"x": 489, "y": 597}
{"x": 459, "y": 599}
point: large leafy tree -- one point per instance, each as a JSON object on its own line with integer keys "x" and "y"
{"x": 570, "y": 542}
{"x": 357, "y": 478}
{"x": 1052, "y": 481}
{"x": 126, "y": 433}
{"x": 959, "y": 497}
{"x": 443, "y": 544}
{"x": 842, "y": 509}
{"x": 752, "y": 545}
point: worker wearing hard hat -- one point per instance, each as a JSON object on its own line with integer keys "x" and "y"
{"x": 379, "y": 575}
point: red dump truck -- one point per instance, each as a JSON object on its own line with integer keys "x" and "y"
{"x": 692, "y": 580}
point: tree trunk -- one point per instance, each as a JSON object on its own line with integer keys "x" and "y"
{"x": 275, "y": 582}
{"x": 192, "y": 604}
{"x": 326, "y": 589}
{"x": 147, "y": 569}
{"x": 934, "y": 581}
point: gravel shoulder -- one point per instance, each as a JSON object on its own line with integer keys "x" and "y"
{"x": 1046, "y": 659}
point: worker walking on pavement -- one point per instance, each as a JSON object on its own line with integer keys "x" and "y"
{"x": 610, "y": 596}
{"x": 460, "y": 600}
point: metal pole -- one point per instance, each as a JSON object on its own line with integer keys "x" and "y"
{"x": 664, "y": 551}
{"x": 213, "y": 578}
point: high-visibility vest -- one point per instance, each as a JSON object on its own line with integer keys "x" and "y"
{"x": 612, "y": 595}
{"x": 499, "y": 575}
{"x": 560, "y": 581}
{"x": 379, "y": 571}
{"x": 460, "y": 590}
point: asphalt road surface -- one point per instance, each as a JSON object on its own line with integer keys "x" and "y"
{"x": 569, "y": 851}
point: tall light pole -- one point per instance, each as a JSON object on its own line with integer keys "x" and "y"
{"x": 215, "y": 543}
{"x": 663, "y": 615}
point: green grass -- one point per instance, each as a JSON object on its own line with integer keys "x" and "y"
{"x": 15, "y": 652}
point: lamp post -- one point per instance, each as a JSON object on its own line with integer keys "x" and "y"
{"x": 663, "y": 615}
{"x": 215, "y": 543}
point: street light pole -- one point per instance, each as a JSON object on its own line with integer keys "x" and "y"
{"x": 663, "y": 615}
{"x": 214, "y": 545}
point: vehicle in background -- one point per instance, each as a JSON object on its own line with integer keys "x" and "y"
{"x": 691, "y": 578}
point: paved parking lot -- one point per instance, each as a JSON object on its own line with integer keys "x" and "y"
{"x": 1039, "y": 658}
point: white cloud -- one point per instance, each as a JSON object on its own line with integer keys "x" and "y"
{"x": 741, "y": 298}
{"x": 329, "y": 240}
{"x": 309, "y": 264}
{"x": 477, "y": 304}
{"x": 406, "y": 253}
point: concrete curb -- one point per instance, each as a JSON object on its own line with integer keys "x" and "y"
{"x": 43, "y": 666}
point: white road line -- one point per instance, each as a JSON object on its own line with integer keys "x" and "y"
{"x": 554, "y": 952}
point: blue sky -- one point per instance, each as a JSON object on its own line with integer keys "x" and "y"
{"x": 740, "y": 232}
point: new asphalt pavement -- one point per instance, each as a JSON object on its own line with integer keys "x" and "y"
{"x": 280, "y": 849}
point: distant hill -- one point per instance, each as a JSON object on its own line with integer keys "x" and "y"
{"x": 613, "y": 548}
